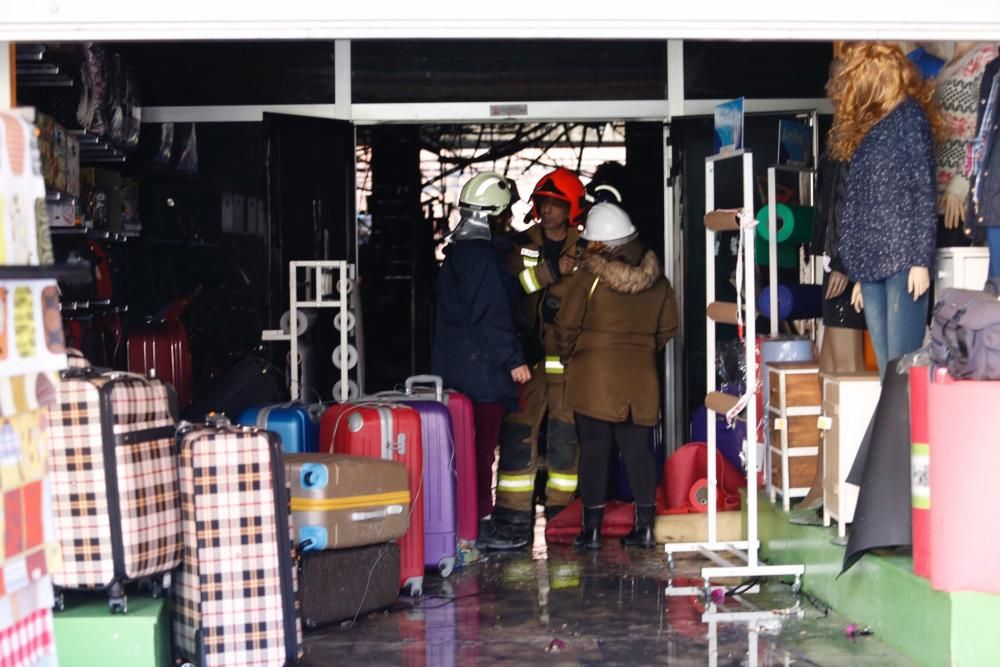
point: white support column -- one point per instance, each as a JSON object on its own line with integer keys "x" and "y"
{"x": 772, "y": 248}
{"x": 675, "y": 77}
{"x": 710, "y": 351}
{"x": 6, "y": 76}
{"x": 750, "y": 287}
{"x": 342, "y": 78}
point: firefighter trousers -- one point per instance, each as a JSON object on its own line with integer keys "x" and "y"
{"x": 544, "y": 393}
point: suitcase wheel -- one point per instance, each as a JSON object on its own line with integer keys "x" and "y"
{"x": 414, "y": 589}
{"x": 117, "y": 600}
{"x": 446, "y": 566}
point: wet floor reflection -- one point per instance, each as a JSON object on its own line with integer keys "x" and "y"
{"x": 559, "y": 607}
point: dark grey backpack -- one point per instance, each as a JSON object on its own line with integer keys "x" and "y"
{"x": 965, "y": 333}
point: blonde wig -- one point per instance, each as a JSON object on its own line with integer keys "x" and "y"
{"x": 874, "y": 78}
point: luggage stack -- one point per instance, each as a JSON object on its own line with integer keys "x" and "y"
{"x": 32, "y": 350}
{"x": 347, "y": 512}
{"x": 429, "y": 430}
{"x": 391, "y": 432}
{"x": 141, "y": 502}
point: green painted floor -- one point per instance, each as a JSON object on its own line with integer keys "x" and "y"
{"x": 881, "y": 592}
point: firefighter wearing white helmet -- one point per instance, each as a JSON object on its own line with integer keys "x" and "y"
{"x": 610, "y": 225}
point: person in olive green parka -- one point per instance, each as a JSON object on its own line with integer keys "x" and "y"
{"x": 618, "y": 313}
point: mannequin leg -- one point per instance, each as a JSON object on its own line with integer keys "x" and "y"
{"x": 907, "y": 323}
{"x": 876, "y": 317}
{"x": 842, "y": 351}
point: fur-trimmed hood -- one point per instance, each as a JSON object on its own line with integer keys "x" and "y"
{"x": 622, "y": 276}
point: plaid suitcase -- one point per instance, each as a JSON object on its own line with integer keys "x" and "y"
{"x": 235, "y": 598}
{"x": 114, "y": 481}
{"x": 342, "y": 585}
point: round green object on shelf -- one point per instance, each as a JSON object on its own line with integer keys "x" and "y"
{"x": 794, "y": 223}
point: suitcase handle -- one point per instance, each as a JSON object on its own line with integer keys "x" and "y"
{"x": 434, "y": 381}
{"x": 374, "y": 515}
{"x": 400, "y": 446}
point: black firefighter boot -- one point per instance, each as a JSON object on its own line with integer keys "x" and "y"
{"x": 590, "y": 537}
{"x": 509, "y": 530}
{"x": 642, "y": 531}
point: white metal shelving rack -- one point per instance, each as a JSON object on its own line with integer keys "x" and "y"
{"x": 757, "y": 623}
{"x": 738, "y": 558}
{"x": 807, "y": 186}
{"x": 325, "y": 284}
{"x": 772, "y": 228}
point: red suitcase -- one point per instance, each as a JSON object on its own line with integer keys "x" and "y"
{"x": 163, "y": 347}
{"x": 464, "y": 432}
{"x": 391, "y": 432}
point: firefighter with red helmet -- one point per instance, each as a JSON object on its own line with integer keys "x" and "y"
{"x": 543, "y": 258}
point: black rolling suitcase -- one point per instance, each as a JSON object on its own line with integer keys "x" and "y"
{"x": 250, "y": 382}
{"x": 343, "y": 584}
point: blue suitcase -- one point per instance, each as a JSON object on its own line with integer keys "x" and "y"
{"x": 297, "y": 424}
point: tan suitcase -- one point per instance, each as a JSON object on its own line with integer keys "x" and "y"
{"x": 341, "y": 501}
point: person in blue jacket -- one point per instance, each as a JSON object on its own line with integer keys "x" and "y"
{"x": 477, "y": 350}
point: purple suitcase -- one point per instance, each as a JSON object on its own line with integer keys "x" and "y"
{"x": 440, "y": 635}
{"x": 440, "y": 539}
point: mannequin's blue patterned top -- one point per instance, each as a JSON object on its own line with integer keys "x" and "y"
{"x": 890, "y": 209}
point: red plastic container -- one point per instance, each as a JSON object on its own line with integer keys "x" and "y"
{"x": 964, "y": 531}
{"x": 685, "y": 469}
{"x": 920, "y": 469}
{"x": 617, "y": 522}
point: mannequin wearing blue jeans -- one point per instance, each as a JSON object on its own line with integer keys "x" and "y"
{"x": 993, "y": 241}
{"x": 895, "y": 321}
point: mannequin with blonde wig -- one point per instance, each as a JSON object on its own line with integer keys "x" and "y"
{"x": 885, "y": 125}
